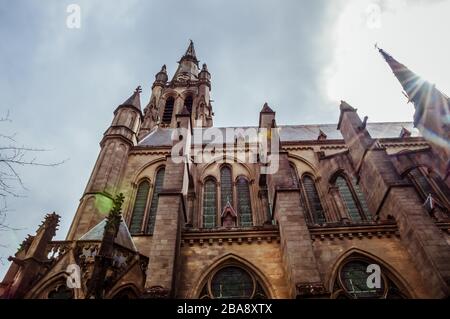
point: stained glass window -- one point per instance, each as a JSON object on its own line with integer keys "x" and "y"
{"x": 354, "y": 278}
{"x": 312, "y": 196}
{"x": 168, "y": 110}
{"x": 362, "y": 199}
{"x": 427, "y": 184}
{"x": 244, "y": 203}
{"x": 347, "y": 197}
{"x": 157, "y": 187}
{"x": 226, "y": 187}
{"x": 137, "y": 216}
{"x": 441, "y": 185}
{"x": 422, "y": 182}
{"x": 232, "y": 283}
{"x": 209, "y": 204}
{"x": 188, "y": 102}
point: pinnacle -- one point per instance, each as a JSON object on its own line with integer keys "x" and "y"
{"x": 266, "y": 109}
{"x": 346, "y": 107}
{"x": 190, "y": 50}
{"x": 134, "y": 100}
{"x": 190, "y": 53}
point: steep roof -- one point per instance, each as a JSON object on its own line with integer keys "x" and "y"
{"x": 123, "y": 237}
{"x": 190, "y": 52}
{"x": 266, "y": 109}
{"x": 135, "y": 99}
{"x": 291, "y": 133}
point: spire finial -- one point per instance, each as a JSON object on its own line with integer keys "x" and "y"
{"x": 134, "y": 100}
{"x": 190, "y": 52}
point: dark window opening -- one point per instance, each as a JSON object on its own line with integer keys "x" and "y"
{"x": 168, "y": 110}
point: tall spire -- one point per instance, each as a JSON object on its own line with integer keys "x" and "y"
{"x": 432, "y": 115}
{"x": 411, "y": 82}
{"x": 188, "y": 68}
{"x": 190, "y": 53}
{"x": 421, "y": 93}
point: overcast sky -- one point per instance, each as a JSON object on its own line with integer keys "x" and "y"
{"x": 61, "y": 85}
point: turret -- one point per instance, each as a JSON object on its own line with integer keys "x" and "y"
{"x": 151, "y": 111}
{"x": 105, "y": 180}
{"x": 190, "y": 87}
{"x": 30, "y": 260}
{"x": 203, "y": 112}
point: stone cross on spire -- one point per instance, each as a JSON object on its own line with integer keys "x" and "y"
{"x": 138, "y": 89}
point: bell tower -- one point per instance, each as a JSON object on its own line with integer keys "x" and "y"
{"x": 189, "y": 87}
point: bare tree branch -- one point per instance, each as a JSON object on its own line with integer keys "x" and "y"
{"x": 12, "y": 157}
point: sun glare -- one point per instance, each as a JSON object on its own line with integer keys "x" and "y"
{"x": 411, "y": 31}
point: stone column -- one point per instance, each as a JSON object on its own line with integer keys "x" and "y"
{"x": 298, "y": 256}
{"x": 166, "y": 236}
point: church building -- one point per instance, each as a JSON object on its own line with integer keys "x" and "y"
{"x": 178, "y": 208}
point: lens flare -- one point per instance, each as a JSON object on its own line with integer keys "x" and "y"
{"x": 103, "y": 203}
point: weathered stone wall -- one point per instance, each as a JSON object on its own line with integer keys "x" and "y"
{"x": 198, "y": 260}
{"x": 390, "y": 252}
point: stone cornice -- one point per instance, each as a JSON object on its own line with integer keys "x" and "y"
{"x": 402, "y": 145}
{"x": 322, "y": 155}
{"x": 147, "y": 151}
{"x": 337, "y": 232}
{"x": 333, "y": 147}
{"x": 231, "y": 237}
{"x": 297, "y": 148}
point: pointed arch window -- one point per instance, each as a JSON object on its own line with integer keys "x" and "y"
{"x": 244, "y": 203}
{"x": 226, "y": 187}
{"x": 168, "y": 110}
{"x": 353, "y": 200}
{"x": 353, "y": 276}
{"x": 421, "y": 182}
{"x": 426, "y": 185}
{"x": 157, "y": 187}
{"x": 188, "y": 102}
{"x": 209, "y": 204}
{"x": 362, "y": 200}
{"x": 313, "y": 200}
{"x": 137, "y": 217}
{"x": 233, "y": 282}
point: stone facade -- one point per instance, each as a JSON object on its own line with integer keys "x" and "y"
{"x": 344, "y": 198}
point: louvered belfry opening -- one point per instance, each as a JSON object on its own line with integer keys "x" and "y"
{"x": 168, "y": 110}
